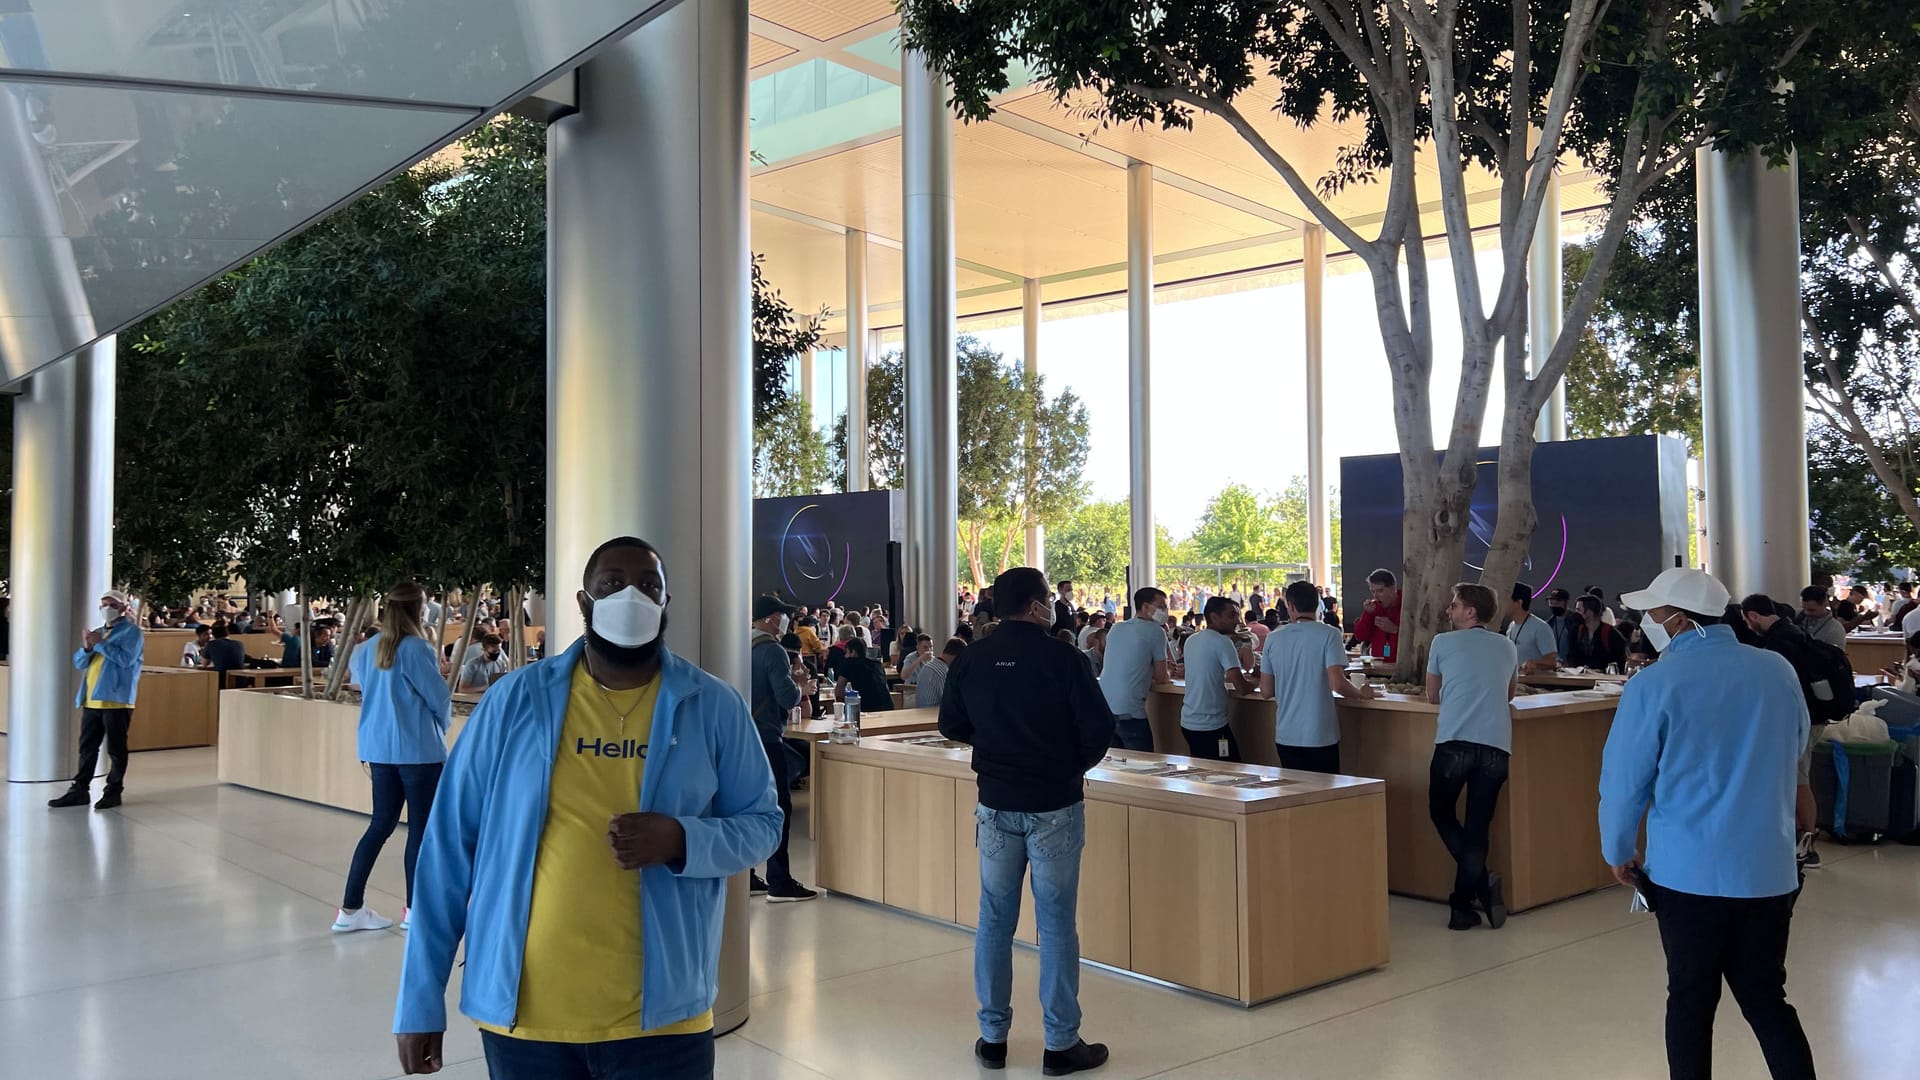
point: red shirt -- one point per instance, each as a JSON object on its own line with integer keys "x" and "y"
{"x": 1374, "y": 639}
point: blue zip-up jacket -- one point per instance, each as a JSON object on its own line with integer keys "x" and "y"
{"x": 474, "y": 878}
{"x": 404, "y": 709}
{"x": 124, "y": 648}
{"x": 1711, "y": 736}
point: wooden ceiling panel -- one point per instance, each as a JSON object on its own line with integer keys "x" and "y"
{"x": 822, "y": 20}
{"x": 764, "y": 51}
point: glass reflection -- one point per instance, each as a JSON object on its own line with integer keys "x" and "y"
{"x": 157, "y": 191}
{"x": 473, "y": 52}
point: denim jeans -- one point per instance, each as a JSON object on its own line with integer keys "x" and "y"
{"x": 653, "y": 1057}
{"x": 1132, "y": 733}
{"x": 1482, "y": 771}
{"x": 393, "y": 786}
{"x": 1009, "y": 842}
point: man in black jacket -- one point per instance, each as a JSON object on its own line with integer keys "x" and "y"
{"x": 1031, "y": 708}
{"x": 1781, "y": 635}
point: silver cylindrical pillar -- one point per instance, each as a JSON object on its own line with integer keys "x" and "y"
{"x": 1140, "y": 547}
{"x": 1030, "y": 332}
{"x": 46, "y": 619}
{"x": 1752, "y": 397}
{"x": 649, "y": 346}
{"x": 649, "y": 334}
{"x": 1545, "y": 305}
{"x": 1319, "y": 521}
{"x": 857, "y": 360}
{"x": 932, "y": 384}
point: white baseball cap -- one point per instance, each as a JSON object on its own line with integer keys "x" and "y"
{"x": 1689, "y": 590}
{"x": 117, "y": 597}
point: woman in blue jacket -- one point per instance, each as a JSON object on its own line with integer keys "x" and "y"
{"x": 404, "y": 709}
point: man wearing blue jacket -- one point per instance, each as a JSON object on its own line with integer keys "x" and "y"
{"x": 110, "y": 657}
{"x": 613, "y": 757}
{"x": 1706, "y": 745}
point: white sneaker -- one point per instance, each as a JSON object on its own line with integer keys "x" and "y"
{"x": 406, "y": 918}
{"x": 346, "y": 922}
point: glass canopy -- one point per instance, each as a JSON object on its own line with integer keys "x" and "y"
{"x": 149, "y": 145}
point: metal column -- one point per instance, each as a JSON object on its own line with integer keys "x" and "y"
{"x": 1752, "y": 397}
{"x": 932, "y": 384}
{"x": 1140, "y": 549}
{"x": 649, "y": 347}
{"x": 1030, "y": 331}
{"x": 857, "y": 360}
{"x": 1319, "y": 521}
{"x": 806, "y": 382}
{"x": 649, "y": 334}
{"x": 1545, "y": 305}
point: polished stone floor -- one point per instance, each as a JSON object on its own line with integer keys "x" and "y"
{"x": 185, "y": 936}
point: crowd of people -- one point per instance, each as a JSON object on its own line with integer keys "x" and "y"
{"x": 1709, "y": 752}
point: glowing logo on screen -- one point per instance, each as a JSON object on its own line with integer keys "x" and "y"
{"x": 815, "y": 558}
{"x": 1480, "y": 516}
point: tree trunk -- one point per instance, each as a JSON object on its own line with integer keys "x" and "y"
{"x": 466, "y": 639}
{"x": 516, "y": 627}
{"x": 973, "y": 531}
{"x": 358, "y": 614}
{"x": 1014, "y": 525}
{"x": 306, "y": 644}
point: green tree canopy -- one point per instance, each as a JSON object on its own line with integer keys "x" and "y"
{"x": 790, "y": 455}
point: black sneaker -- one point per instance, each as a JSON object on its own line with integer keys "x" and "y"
{"x": 791, "y": 893}
{"x": 1463, "y": 918}
{"x": 1494, "y": 901}
{"x": 73, "y": 797}
{"x": 108, "y": 800}
{"x": 758, "y": 887}
{"x": 990, "y": 1055}
{"x": 1804, "y": 854}
{"x": 1079, "y": 1058}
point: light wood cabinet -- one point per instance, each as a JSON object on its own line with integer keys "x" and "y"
{"x": 1247, "y": 890}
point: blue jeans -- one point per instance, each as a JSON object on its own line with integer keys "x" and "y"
{"x": 393, "y": 786}
{"x": 1008, "y": 843}
{"x": 655, "y": 1057}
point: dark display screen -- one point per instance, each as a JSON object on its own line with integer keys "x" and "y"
{"x": 827, "y": 549}
{"x": 1613, "y": 513}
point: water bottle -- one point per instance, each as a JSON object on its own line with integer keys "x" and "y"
{"x": 853, "y": 715}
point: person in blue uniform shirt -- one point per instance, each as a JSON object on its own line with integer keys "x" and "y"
{"x": 1532, "y": 637}
{"x": 110, "y": 658}
{"x": 1706, "y": 746}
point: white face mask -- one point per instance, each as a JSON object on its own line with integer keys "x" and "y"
{"x": 783, "y": 627}
{"x": 1159, "y": 617}
{"x": 108, "y": 616}
{"x": 628, "y": 618}
{"x": 1657, "y": 635}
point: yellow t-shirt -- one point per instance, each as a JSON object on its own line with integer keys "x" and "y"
{"x": 93, "y": 680}
{"x": 580, "y": 980}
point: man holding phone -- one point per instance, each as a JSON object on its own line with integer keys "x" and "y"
{"x": 1706, "y": 746}
{"x": 613, "y": 778}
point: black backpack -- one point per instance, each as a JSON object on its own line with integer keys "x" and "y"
{"x": 1827, "y": 664}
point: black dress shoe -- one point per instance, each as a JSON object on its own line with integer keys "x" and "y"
{"x": 1494, "y": 901}
{"x": 1463, "y": 919}
{"x": 73, "y": 797}
{"x": 108, "y": 800}
{"x": 1078, "y": 1058}
{"x": 990, "y": 1055}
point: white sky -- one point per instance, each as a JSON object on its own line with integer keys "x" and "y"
{"x": 1229, "y": 379}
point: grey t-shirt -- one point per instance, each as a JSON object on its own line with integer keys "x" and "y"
{"x": 1827, "y": 629}
{"x": 1298, "y": 655}
{"x": 1209, "y": 656}
{"x": 1532, "y": 639}
{"x": 1476, "y": 669}
{"x": 1126, "y": 674}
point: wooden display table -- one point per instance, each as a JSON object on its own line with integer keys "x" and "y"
{"x": 815, "y": 732}
{"x": 1571, "y": 680}
{"x": 1871, "y": 652}
{"x": 278, "y": 742}
{"x": 177, "y": 707}
{"x": 1549, "y": 852}
{"x": 1245, "y": 892}
{"x": 1545, "y": 838}
{"x": 244, "y": 678}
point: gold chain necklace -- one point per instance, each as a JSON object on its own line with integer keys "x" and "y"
{"x": 607, "y": 696}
